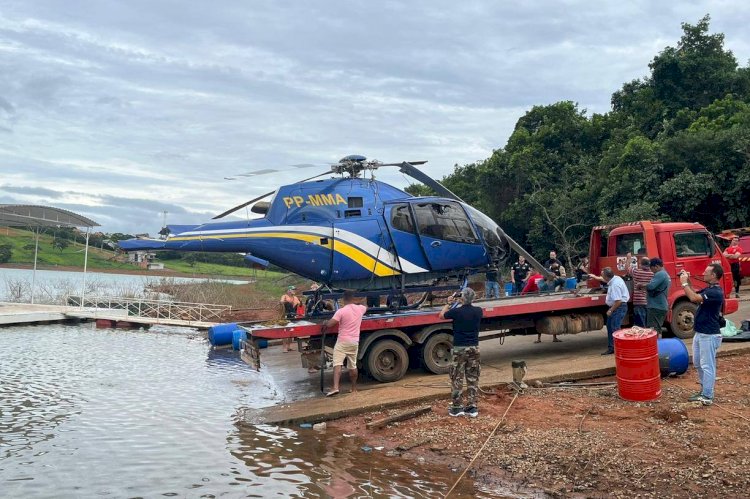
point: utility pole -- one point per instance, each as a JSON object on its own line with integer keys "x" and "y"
{"x": 164, "y": 223}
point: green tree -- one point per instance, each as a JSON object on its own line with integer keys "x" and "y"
{"x": 60, "y": 244}
{"x": 6, "y": 253}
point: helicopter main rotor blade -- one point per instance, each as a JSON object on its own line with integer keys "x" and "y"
{"x": 239, "y": 207}
{"x": 264, "y": 171}
{"x": 399, "y": 164}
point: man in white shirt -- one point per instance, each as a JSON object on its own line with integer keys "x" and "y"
{"x": 617, "y": 301}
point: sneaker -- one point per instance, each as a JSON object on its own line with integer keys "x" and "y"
{"x": 472, "y": 411}
{"x": 456, "y": 411}
{"x": 698, "y": 397}
{"x": 608, "y": 352}
{"x": 705, "y": 400}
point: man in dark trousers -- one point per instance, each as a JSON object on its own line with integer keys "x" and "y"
{"x": 518, "y": 273}
{"x": 466, "y": 319}
{"x": 707, "y": 339}
{"x": 657, "y": 290}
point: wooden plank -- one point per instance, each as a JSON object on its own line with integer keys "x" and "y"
{"x": 401, "y": 416}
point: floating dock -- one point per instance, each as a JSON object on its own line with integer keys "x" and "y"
{"x": 29, "y": 314}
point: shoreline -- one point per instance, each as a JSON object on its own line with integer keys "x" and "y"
{"x": 134, "y": 271}
{"x": 557, "y": 441}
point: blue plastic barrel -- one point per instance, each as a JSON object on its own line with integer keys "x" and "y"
{"x": 221, "y": 334}
{"x": 238, "y": 335}
{"x": 570, "y": 283}
{"x": 677, "y": 353}
{"x": 508, "y": 288}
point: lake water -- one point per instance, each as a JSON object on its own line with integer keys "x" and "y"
{"x": 52, "y": 285}
{"x": 90, "y": 412}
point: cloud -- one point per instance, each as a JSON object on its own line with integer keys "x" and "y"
{"x": 135, "y": 101}
{"x": 36, "y": 191}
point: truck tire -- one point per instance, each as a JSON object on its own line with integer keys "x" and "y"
{"x": 387, "y": 360}
{"x": 683, "y": 320}
{"x": 436, "y": 353}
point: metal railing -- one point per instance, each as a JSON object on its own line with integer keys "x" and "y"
{"x": 156, "y": 309}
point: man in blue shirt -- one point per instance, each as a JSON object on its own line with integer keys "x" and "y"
{"x": 617, "y": 301}
{"x": 707, "y": 339}
{"x": 657, "y": 290}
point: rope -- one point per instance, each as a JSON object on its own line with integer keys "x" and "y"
{"x": 483, "y": 445}
{"x": 714, "y": 404}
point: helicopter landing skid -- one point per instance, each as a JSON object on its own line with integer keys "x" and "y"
{"x": 396, "y": 301}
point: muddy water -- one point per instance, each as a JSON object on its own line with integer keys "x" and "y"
{"x": 113, "y": 413}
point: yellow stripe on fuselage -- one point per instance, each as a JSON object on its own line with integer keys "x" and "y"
{"x": 346, "y": 249}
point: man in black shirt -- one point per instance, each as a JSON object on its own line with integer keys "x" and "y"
{"x": 518, "y": 273}
{"x": 707, "y": 339}
{"x": 552, "y": 260}
{"x": 466, "y": 319}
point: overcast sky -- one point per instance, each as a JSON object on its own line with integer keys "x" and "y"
{"x": 121, "y": 109}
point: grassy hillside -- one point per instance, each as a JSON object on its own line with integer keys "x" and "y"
{"x": 22, "y": 247}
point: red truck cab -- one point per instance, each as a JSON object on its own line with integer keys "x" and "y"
{"x": 680, "y": 245}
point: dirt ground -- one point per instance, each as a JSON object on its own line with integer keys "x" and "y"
{"x": 587, "y": 442}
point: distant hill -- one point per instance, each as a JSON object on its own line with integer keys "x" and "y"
{"x": 21, "y": 243}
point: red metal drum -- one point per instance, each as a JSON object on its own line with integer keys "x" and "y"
{"x": 637, "y": 364}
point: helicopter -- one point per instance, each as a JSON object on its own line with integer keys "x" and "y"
{"x": 354, "y": 232}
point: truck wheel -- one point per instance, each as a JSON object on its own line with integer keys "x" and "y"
{"x": 436, "y": 353}
{"x": 683, "y": 320}
{"x": 387, "y": 360}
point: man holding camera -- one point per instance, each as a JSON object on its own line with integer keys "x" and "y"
{"x": 466, "y": 319}
{"x": 708, "y": 323}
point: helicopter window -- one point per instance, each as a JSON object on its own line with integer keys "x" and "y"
{"x": 355, "y": 202}
{"x": 486, "y": 226}
{"x": 352, "y": 213}
{"x": 401, "y": 218}
{"x": 444, "y": 221}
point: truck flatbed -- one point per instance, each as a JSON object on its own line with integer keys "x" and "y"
{"x": 494, "y": 311}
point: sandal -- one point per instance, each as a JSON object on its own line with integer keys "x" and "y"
{"x": 332, "y": 393}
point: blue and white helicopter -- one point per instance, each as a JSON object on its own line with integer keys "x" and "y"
{"x": 354, "y": 232}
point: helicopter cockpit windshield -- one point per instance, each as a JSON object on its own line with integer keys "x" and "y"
{"x": 489, "y": 231}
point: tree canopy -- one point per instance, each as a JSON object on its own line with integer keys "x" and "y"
{"x": 674, "y": 146}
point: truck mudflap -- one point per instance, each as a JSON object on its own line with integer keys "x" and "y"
{"x": 250, "y": 354}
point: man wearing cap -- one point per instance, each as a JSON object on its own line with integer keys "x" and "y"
{"x": 656, "y": 295}
{"x": 290, "y": 302}
{"x": 641, "y": 275}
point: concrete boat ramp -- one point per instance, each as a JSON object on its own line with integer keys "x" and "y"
{"x": 28, "y": 314}
{"x": 576, "y": 358}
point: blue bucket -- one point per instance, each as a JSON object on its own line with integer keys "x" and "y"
{"x": 508, "y": 288}
{"x": 262, "y": 343}
{"x": 571, "y": 283}
{"x": 221, "y": 334}
{"x": 677, "y": 353}
{"x": 238, "y": 335}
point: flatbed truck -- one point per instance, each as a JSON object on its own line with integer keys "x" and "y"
{"x": 392, "y": 341}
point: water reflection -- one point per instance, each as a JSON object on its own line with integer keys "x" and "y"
{"x": 308, "y": 463}
{"x": 87, "y": 412}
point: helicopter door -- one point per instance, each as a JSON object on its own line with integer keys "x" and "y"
{"x": 403, "y": 231}
{"x": 447, "y": 236}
